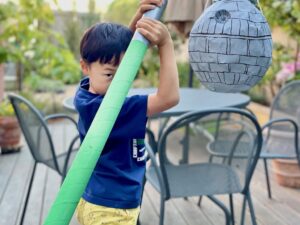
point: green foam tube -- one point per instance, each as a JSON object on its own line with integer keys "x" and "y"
{"x": 85, "y": 161}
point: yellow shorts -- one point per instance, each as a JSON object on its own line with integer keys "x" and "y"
{"x": 90, "y": 214}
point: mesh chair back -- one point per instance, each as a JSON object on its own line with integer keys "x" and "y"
{"x": 286, "y": 103}
{"x": 280, "y": 136}
{"x": 35, "y": 131}
{"x": 238, "y": 141}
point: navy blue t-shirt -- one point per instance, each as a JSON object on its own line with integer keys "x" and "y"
{"x": 118, "y": 176}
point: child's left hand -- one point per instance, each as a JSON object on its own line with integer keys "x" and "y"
{"x": 144, "y": 6}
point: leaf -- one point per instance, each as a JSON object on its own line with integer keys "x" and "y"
{"x": 28, "y": 22}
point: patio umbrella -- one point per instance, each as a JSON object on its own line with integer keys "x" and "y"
{"x": 182, "y": 14}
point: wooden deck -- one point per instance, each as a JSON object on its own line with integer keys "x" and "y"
{"x": 15, "y": 170}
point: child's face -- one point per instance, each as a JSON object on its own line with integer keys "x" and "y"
{"x": 100, "y": 75}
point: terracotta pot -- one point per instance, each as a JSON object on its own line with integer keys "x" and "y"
{"x": 287, "y": 172}
{"x": 10, "y": 133}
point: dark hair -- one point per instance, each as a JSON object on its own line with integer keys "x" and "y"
{"x": 104, "y": 42}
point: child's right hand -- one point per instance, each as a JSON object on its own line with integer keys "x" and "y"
{"x": 155, "y": 31}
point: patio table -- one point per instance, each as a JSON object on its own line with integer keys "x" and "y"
{"x": 191, "y": 99}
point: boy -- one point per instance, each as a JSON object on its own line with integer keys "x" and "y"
{"x": 113, "y": 194}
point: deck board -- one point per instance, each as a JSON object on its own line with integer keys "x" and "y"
{"x": 15, "y": 171}
{"x": 37, "y": 195}
{"x": 149, "y": 211}
{"x": 7, "y": 163}
{"x": 15, "y": 188}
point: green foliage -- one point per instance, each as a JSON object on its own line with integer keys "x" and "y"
{"x": 76, "y": 24}
{"x": 283, "y": 13}
{"x": 92, "y": 17}
{"x": 184, "y": 75}
{"x": 46, "y": 107}
{"x": 6, "y": 108}
{"x": 280, "y": 54}
{"x": 26, "y": 37}
{"x": 5, "y": 11}
{"x": 72, "y": 33}
{"x": 37, "y": 102}
{"x": 121, "y": 11}
{"x": 257, "y": 94}
{"x": 183, "y": 71}
{"x": 45, "y": 103}
{"x": 38, "y": 84}
{"x": 150, "y": 67}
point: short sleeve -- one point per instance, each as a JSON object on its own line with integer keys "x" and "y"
{"x": 131, "y": 122}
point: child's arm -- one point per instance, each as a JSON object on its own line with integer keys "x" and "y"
{"x": 144, "y": 6}
{"x": 167, "y": 94}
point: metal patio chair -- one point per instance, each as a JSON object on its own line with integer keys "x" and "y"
{"x": 281, "y": 131}
{"x": 36, "y": 131}
{"x": 198, "y": 176}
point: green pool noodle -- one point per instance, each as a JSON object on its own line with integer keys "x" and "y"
{"x": 66, "y": 201}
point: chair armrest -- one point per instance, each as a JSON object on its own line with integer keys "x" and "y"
{"x": 157, "y": 169}
{"x": 152, "y": 141}
{"x": 70, "y": 150}
{"x": 236, "y": 142}
{"x": 60, "y": 116}
{"x": 296, "y": 130}
{"x": 280, "y": 120}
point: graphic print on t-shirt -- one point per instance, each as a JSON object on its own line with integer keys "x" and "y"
{"x": 139, "y": 150}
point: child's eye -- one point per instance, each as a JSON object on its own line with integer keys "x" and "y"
{"x": 109, "y": 75}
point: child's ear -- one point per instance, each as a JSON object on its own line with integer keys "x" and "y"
{"x": 84, "y": 67}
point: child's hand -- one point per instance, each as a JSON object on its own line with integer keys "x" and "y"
{"x": 144, "y": 6}
{"x": 155, "y": 31}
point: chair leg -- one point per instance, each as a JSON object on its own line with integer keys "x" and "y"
{"x": 199, "y": 201}
{"x": 28, "y": 194}
{"x": 231, "y": 207}
{"x": 267, "y": 178}
{"x": 223, "y": 207}
{"x": 243, "y": 211}
{"x": 251, "y": 208}
{"x": 162, "y": 211}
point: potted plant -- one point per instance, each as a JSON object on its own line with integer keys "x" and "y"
{"x": 10, "y": 133}
{"x": 287, "y": 172}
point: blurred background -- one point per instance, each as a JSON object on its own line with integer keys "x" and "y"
{"x": 39, "y": 45}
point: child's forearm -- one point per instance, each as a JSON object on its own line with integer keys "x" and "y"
{"x": 168, "y": 88}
